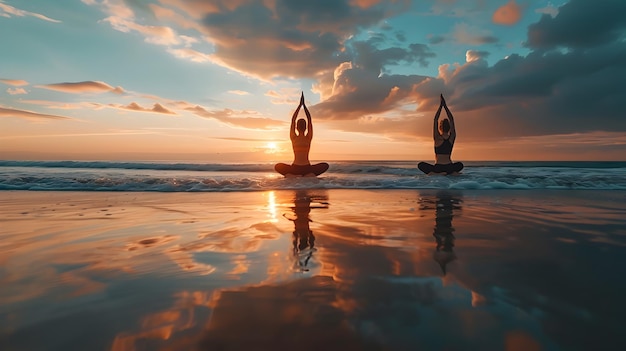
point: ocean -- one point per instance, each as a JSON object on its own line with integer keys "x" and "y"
{"x": 212, "y": 177}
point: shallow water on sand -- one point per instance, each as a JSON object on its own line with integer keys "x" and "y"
{"x": 313, "y": 269}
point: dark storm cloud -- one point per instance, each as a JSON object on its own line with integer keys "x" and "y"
{"x": 550, "y": 91}
{"x": 361, "y": 88}
{"x": 367, "y": 56}
{"x": 542, "y": 93}
{"x": 580, "y": 24}
{"x": 291, "y": 38}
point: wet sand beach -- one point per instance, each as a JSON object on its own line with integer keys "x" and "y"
{"x": 313, "y": 269}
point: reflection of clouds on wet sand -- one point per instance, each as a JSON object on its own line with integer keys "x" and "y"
{"x": 71, "y": 233}
{"x": 60, "y": 250}
{"x": 372, "y": 281}
{"x": 378, "y": 289}
{"x": 233, "y": 243}
{"x": 161, "y": 329}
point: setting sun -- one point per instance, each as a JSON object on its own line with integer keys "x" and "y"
{"x": 271, "y": 148}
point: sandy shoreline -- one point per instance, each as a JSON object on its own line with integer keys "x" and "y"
{"x": 135, "y": 271}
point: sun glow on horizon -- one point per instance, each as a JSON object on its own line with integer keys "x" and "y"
{"x": 271, "y": 147}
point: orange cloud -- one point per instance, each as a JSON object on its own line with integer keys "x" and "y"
{"x": 9, "y": 112}
{"x": 165, "y": 14}
{"x": 14, "y": 82}
{"x": 190, "y": 54}
{"x": 158, "y": 108}
{"x": 239, "y": 92}
{"x": 508, "y": 14}
{"x": 65, "y": 105}
{"x": 286, "y": 96}
{"x": 93, "y": 87}
{"x": 160, "y": 35}
{"x": 473, "y": 55}
{"x": 364, "y": 3}
{"x": 196, "y": 9}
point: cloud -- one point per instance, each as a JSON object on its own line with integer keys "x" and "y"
{"x": 16, "y": 91}
{"x": 579, "y": 24}
{"x": 114, "y": 133}
{"x": 159, "y": 35}
{"x": 115, "y": 8}
{"x": 244, "y": 119}
{"x": 14, "y": 82}
{"x": 238, "y": 92}
{"x": 360, "y": 87}
{"x": 473, "y": 55}
{"x": 508, "y": 14}
{"x": 65, "y": 105}
{"x": 122, "y": 18}
{"x": 542, "y": 93}
{"x": 364, "y": 4}
{"x": 545, "y": 92}
{"x": 548, "y": 10}
{"x": 190, "y": 54}
{"x": 169, "y": 15}
{"x": 8, "y": 112}
{"x": 466, "y": 34}
{"x": 8, "y": 11}
{"x": 286, "y": 38}
{"x": 87, "y": 87}
{"x": 285, "y": 96}
{"x": 436, "y": 39}
{"x": 133, "y": 106}
{"x": 243, "y": 139}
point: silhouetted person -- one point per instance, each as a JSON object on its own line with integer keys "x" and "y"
{"x": 444, "y": 135}
{"x": 301, "y": 134}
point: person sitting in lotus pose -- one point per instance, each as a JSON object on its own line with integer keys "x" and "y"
{"x": 301, "y": 134}
{"x": 444, "y": 135}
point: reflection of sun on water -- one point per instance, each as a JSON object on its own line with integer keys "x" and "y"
{"x": 271, "y": 205}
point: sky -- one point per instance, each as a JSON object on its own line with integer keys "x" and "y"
{"x": 218, "y": 80}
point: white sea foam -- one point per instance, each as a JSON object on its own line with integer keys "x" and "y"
{"x": 189, "y": 177}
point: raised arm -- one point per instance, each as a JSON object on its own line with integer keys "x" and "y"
{"x": 451, "y": 119}
{"x": 292, "y": 129}
{"x": 436, "y": 134}
{"x": 309, "y": 124}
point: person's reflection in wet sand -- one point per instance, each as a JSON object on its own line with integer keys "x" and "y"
{"x": 303, "y": 238}
{"x": 445, "y": 204}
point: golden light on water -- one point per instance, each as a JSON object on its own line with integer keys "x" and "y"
{"x": 271, "y": 206}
